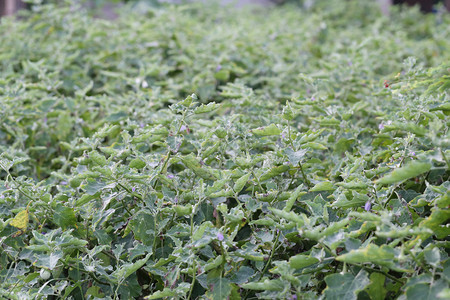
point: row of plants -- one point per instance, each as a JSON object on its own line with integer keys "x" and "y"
{"x": 192, "y": 151}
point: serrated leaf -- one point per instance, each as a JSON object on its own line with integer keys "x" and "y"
{"x": 206, "y": 108}
{"x": 410, "y": 170}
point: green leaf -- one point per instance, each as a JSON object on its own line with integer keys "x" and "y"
{"x": 409, "y": 127}
{"x": 323, "y": 186}
{"x": 126, "y": 270}
{"x": 436, "y": 222}
{"x": 93, "y": 186}
{"x": 198, "y": 234}
{"x": 293, "y": 198}
{"x": 191, "y": 162}
{"x": 290, "y": 216}
{"x": 410, "y": 170}
{"x": 210, "y": 150}
{"x": 301, "y": 261}
{"x": 143, "y": 227}
{"x": 242, "y": 275}
{"x": 64, "y": 126}
{"x": 288, "y": 113}
{"x": 426, "y": 291}
{"x": 64, "y": 216}
{"x": 98, "y": 158}
{"x": 137, "y": 163}
{"x": 182, "y": 210}
{"x": 95, "y": 291}
{"x": 48, "y": 260}
{"x": 295, "y": 156}
{"x": 356, "y": 200}
{"x": 383, "y": 255}
{"x": 266, "y": 285}
{"x": 376, "y": 289}
{"x": 353, "y": 185}
{"x": 345, "y": 286}
{"x": 272, "y": 129}
{"x": 274, "y": 171}
{"x": 188, "y": 100}
{"x": 315, "y": 146}
{"x": 206, "y": 108}
{"x": 221, "y": 288}
{"x": 166, "y": 292}
{"x": 240, "y": 183}
{"x": 432, "y": 256}
{"x": 223, "y": 75}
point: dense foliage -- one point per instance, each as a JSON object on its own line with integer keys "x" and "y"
{"x": 201, "y": 152}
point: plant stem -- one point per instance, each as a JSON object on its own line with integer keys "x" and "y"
{"x": 445, "y": 158}
{"x": 193, "y": 280}
{"x": 308, "y": 184}
{"x": 275, "y": 245}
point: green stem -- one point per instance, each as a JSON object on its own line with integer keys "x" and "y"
{"x": 445, "y": 158}
{"x": 193, "y": 280}
{"x": 384, "y": 273}
{"x": 304, "y": 175}
{"x": 257, "y": 181}
{"x": 275, "y": 245}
